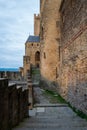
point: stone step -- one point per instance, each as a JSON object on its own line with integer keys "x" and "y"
{"x": 49, "y": 121}
{"x": 50, "y": 105}
{"x": 54, "y": 124}
{"x": 46, "y": 128}
{"x": 55, "y": 121}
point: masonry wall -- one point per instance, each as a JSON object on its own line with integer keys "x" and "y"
{"x": 42, "y": 4}
{"x": 50, "y": 34}
{"x": 11, "y": 75}
{"x": 31, "y": 48}
{"x": 13, "y": 105}
{"x": 73, "y": 58}
{"x": 26, "y": 65}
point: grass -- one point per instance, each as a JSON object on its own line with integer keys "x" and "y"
{"x": 35, "y": 72}
{"x": 54, "y": 97}
{"x": 78, "y": 112}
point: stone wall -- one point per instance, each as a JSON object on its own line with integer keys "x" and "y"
{"x": 63, "y": 34}
{"x": 21, "y": 70}
{"x": 73, "y": 57}
{"x": 26, "y": 65}
{"x": 30, "y": 51}
{"x": 50, "y": 35}
{"x": 11, "y": 75}
{"x": 13, "y": 105}
{"x": 31, "y": 48}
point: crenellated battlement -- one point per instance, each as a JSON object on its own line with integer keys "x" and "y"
{"x": 36, "y": 24}
{"x": 36, "y": 16}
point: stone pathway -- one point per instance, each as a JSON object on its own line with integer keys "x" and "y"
{"x": 48, "y": 117}
{"x": 39, "y": 97}
{"x": 53, "y": 118}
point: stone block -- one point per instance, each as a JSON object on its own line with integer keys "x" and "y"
{"x": 13, "y": 106}
{"x": 3, "y": 104}
{"x": 25, "y": 103}
{"x": 20, "y": 104}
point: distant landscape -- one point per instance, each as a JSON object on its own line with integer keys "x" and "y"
{"x": 9, "y": 69}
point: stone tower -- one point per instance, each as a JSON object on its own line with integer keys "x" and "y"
{"x": 32, "y": 48}
{"x": 50, "y": 39}
{"x": 36, "y": 25}
{"x": 32, "y": 53}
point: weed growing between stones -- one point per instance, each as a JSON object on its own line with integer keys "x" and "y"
{"x": 55, "y": 97}
{"x": 78, "y": 112}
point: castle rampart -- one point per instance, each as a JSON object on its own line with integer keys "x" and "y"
{"x": 13, "y": 105}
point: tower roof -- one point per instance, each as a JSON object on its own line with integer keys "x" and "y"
{"x": 33, "y": 39}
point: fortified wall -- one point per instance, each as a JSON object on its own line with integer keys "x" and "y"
{"x": 63, "y": 36}
{"x": 11, "y": 75}
{"x": 50, "y": 35}
{"x": 73, "y": 61}
{"x": 62, "y": 49}
{"x": 13, "y": 105}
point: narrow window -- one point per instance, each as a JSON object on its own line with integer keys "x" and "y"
{"x": 44, "y": 55}
{"x": 63, "y": 16}
{"x": 59, "y": 52}
{"x": 56, "y": 73}
{"x": 42, "y": 33}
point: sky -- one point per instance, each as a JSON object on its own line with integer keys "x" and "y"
{"x": 16, "y": 24}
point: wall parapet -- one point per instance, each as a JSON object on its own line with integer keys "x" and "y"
{"x": 13, "y": 105}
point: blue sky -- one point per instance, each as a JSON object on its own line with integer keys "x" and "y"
{"x": 16, "y": 23}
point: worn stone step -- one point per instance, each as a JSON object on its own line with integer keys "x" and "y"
{"x": 54, "y": 125}
{"x": 53, "y": 120}
{"x": 46, "y": 128}
{"x": 51, "y": 105}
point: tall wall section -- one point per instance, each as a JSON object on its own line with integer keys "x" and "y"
{"x": 73, "y": 67}
{"x": 26, "y": 65}
{"x": 50, "y": 34}
{"x": 42, "y": 4}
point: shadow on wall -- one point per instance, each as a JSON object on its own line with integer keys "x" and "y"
{"x": 46, "y": 84}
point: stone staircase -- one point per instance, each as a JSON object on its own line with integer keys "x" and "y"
{"x": 35, "y": 75}
{"x": 47, "y": 116}
{"x": 53, "y": 118}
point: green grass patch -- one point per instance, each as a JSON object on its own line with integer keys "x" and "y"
{"x": 35, "y": 71}
{"x": 78, "y": 112}
{"x": 54, "y": 97}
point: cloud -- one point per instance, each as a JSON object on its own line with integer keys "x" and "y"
{"x": 16, "y": 22}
